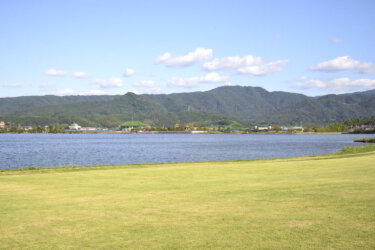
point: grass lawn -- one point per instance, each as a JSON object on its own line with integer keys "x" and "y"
{"x": 319, "y": 202}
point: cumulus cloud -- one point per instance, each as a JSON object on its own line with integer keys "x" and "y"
{"x": 69, "y": 91}
{"x": 337, "y": 40}
{"x": 109, "y": 83}
{"x": 148, "y": 87}
{"x": 345, "y": 63}
{"x": 153, "y": 90}
{"x": 339, "y": 84}
{"x": 80, "y": 74}
{"x": 55, "y": 72}
{"x": 263, "y": 69}
{"x": 193, "y": 81}
{"x": 230, "y": 84}
{"x": 145, "y": 84}
{"x": 129, "y": 72}
{"x": 251, "y": 65}
{"x": 199, "y": 54}
{"x": 66, "y": 91}
{"x": 46, "y": 86}
{"x": 94, "y": 92}
{"x": 12, "y": 85}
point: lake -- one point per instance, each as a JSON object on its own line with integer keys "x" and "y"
{"x": 25, "y": 150}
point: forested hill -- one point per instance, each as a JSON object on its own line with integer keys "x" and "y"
{"x": 248, "y": 104}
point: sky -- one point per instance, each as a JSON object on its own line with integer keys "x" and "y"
{"x": 92, "y": 47}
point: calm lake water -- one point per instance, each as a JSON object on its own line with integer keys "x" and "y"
{"x": 24, "y": 150}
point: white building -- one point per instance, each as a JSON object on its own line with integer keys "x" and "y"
{"x": 297, "y": 128}
{"x": 28, "y": 128}
{"x": 88, "y": 128}
{"x": 263, "y": 128}
{"x": 198, "y": 132}
{"x": 74, "y": 126}
{"x": 127, "y": 129}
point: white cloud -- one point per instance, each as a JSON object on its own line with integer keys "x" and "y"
{"x": 129, "y": 72}
{"x": 109, "y": 83}
{"x": 154, "y": 90}
{"x": 199, "y": 54}
{"x": 12, "y": 85}
{"x": 62, "y": 92}
{"x": 55, "y": 72}
{"x": 145, "y": 83}
{"x": 68, "y": 91}
{"x": 339, "y": 84}
{"x": 94, "y": 92}
{"x": 263, "y": 69}
{"x": 80, "y": 74}
{"x": 337, "y": 40}
{"x": 252, "y": 65}
{"x": 345, "y": 63}
{"x": 148, "y": 87}
{"x": 233, "y": 62}
{"x": 193, "y": 81}
{"x": 45, "y": 86}
{"x": 230, "y": 84}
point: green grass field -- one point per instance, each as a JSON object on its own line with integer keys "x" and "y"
{"x": 318, "y": 202}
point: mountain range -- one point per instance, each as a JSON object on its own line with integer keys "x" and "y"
{"x": 250, "y": 105}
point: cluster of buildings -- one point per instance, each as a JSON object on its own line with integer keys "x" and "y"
{"x": 362, "y": 128}
{"x": 139, "y": 127}
{"x": 18, "y": 128}
{"x": 277, "y": 128}
{"x": 198, "y": 130}
{"x": 4, "y": 125}
{"x": 74, "y": 127}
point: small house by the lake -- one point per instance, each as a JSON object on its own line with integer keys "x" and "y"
{"x": 74, "y": 126}
{"x": 129, "y": 126}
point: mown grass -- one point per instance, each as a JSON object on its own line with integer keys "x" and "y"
{"x": 320, "y": 202}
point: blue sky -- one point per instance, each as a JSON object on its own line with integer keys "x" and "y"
{"x": 79, "y": 47}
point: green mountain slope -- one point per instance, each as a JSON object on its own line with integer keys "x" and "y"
{"x": 23, "y": 104}
{"x": 253, "y": 105}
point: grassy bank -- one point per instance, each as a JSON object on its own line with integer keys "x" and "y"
{"x": 313, "y": 202}
{"x": 365, "y": 140}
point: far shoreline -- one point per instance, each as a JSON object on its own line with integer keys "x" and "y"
{"x": 183, "y": 133}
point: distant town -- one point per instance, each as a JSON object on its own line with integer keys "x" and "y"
{"x": 138, "y": 127}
